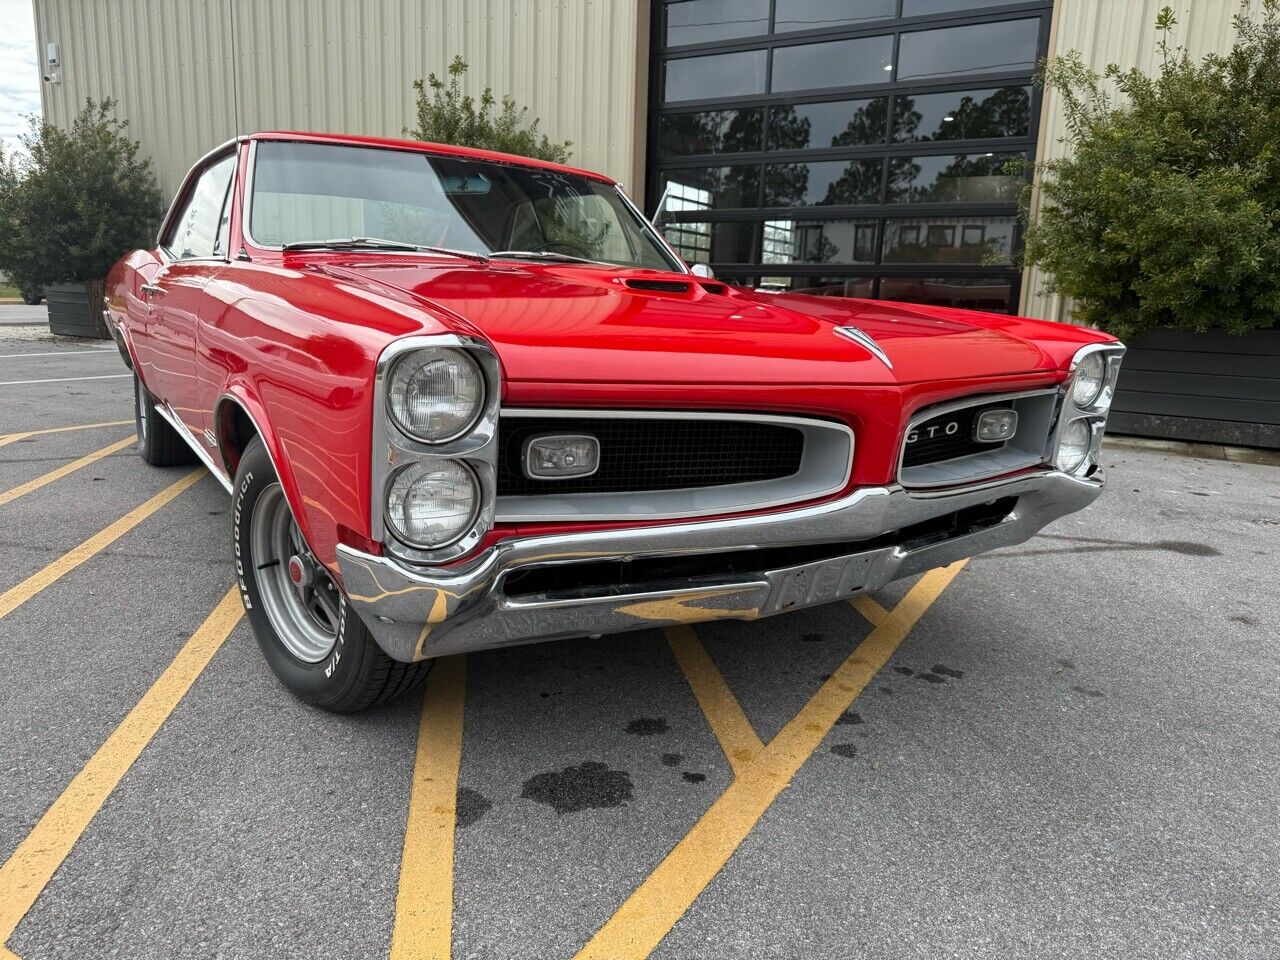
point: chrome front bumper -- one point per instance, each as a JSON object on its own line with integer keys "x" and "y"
{"x": 416, "y": 613}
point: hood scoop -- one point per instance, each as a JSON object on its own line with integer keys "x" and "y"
{"x": 658, "y": 286}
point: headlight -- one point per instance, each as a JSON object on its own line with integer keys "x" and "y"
{"x": 437, "y": 394}
{"x": 1073, "y": 445}
{"x": 1090, "y": 378}
{"x": 433, "y": 503}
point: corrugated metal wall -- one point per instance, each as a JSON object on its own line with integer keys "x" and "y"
{"x": 347, "y": 66}
{"x": 1123, "y": 32}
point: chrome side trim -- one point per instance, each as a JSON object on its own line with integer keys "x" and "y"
{"x": 175, "y": 421}
{"x": 824, "y": 478}
{"x": 424, "y": 612}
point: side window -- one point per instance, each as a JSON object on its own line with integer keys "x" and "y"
{"x": 200, "y": 231}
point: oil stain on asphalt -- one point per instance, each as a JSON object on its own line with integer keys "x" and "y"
{"x": 647, "y": 726}
{"x": 590, "y": 785}
{"x": 472, "y": 805}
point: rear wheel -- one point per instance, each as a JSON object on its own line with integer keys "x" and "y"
{"x": 311, "y": 639}
{"x": 159, "y": 444}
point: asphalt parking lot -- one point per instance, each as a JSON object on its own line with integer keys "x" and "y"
{"x": 1066, "y": 749}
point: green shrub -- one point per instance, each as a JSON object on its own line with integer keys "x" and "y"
{"x": 77, "y": 202}
{"x": 1167, "y": 211}
{"x": 447, "y": 115}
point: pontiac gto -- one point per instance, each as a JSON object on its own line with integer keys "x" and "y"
{"x": 464, "y": 400}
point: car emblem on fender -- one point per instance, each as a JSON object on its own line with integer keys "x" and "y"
{"x": 863, "y": 339}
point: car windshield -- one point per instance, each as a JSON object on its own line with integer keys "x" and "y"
{"x": 306, "y": 194}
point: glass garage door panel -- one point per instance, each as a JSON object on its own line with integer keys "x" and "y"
{"x": 975, "y": 241}
{"x": 924, "y": 8}
{"x": 979, "y": 48}
{"x": 718, "y": 75}
{"x": 968, "y": 178}
{"x": 705, "y": 21}
{"x": 840, "y": 63}
{"x": 710, "y": 188}
{"x": 819, "y": 241}
{"x": 969, "y": 293}
{"x": 839, "y": 123}
{"x": 700, "y": 242}
{"x": 824, "y": 14}
{"x": 711, "y": 131}
{"x": 843, "y": 182}
{"x": 962, "y": 115}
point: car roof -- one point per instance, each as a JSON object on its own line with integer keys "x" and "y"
{"x": 420, "y": 146}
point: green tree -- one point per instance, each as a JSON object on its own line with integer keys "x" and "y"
{"x": 1167, "y": 211}
{"x": 447, "y": 115}
{"x": 79, "y": 200}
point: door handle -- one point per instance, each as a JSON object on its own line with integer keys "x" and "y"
{"x": 150, "y": 289}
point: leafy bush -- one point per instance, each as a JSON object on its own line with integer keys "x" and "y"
{"x": 447, "y": 115}
{"x": 1167, "y": 213}
{"x": 80, "y": 200}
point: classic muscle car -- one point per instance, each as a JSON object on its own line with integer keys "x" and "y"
{"x": 463, "y": 400}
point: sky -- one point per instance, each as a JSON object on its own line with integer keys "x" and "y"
{"x": 19, "y": 72}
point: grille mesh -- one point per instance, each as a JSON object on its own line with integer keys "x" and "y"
{"x": 639, "y": 455}
{"x": 947, "y": 446}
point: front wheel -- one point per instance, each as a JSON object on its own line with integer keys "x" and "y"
{"x": 311, "y": 639}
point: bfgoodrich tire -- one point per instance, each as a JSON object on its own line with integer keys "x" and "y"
{"x": 158, "y": 443}
{"x": 309, "y": 635}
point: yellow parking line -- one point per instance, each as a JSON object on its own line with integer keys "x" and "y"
{"x": 728, "y": 721}
{"x": 14, "y": 597}
{"x": 424, "y": 905}
{"x": 648, "y": 915}
{"x": 25, "y": 875}
{"x": 15, "y": 437}
{"x": 23, "y": 488}
{"x": 871, "y": 611}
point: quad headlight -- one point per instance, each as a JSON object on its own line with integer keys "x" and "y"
{"x": 436, "y": 394}
{"x": 1089, "y": 379}
{"x": 1073, "y": 445}
{"x": 431, "y": 503}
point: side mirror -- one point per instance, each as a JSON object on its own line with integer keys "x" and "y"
{"x": 701, "y": 270}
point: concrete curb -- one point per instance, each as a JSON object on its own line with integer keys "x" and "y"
{"x": 1205, "y": 451}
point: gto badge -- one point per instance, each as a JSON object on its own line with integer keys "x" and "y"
{"x": 929, "y": 431}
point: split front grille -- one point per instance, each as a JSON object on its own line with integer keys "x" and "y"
{"x": 638, "y": 455}
{"x": 946, "y": 437}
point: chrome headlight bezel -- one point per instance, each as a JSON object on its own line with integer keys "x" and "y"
{"x": 421, "y": 357}
{"x": 393, "y": 449}
{"x": 428, "y": 465}
{"x": 1093, "y": 413}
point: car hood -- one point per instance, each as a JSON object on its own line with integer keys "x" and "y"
{"x": 610, "y": 325}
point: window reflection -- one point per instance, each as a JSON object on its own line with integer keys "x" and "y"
{"x": 963, "y": 115}
{"x": 712, "y": 131}
{"x": 967, "y": 178}
{"x": 701, "y": 242}
{"x": 704, "y": 21}
{"x": 970, "y": 240}
{"x": 821, "y": 14}
{"x": 819, "y": 241}
{"x": 839, "y": 63}
{"x": 709, "y": 188}
{"x": 841, "y": 123}
{"x": 923, "y": 8}
{"x": 978, "y": 48}
{"x": 833, "y": 182}
{"x": 718, "y": 75}
{"x": 970, "y": 293}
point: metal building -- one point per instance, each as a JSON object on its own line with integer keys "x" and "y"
{"x": 849, "y": 147}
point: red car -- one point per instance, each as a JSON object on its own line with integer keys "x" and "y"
{"x": 464, "y": 400}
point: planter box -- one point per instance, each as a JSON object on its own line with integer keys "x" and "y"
{"x": 1207, "y": 387}
{"x": 75, "y": 310}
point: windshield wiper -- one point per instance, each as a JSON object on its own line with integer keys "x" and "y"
{"x": 377, "y": 243}
{"x": 539, "y": 255}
